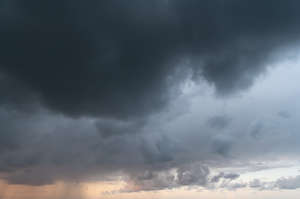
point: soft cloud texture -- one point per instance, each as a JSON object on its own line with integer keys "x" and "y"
{"x": 121, "y": 60}
{"x": 155, "y": 93}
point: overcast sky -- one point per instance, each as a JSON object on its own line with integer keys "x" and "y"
{"x": 149, "y": 99}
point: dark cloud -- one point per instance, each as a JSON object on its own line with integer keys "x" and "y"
{"x": 120, "y": 59}
{"x": 44, "y": 147}
{"x": 109, "y": 128}
{"x": 79, "y": 82}
{"x": 17, "y": 96}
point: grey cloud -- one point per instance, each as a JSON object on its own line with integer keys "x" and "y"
{"x": 288, "y": 183}
{"x": 284, "y": 183}
{"x": 157, "y": 181}
{"x": 256, "y": 130}
{"x": 80, "y": 83}
{"x": 193, "y": 175}
{"x": 226, "y": 176}
{"x": 185, "y": 175}
{"x": 222, "y": 145}
{"x": 219, "y": 122}
{"x": 235, "y": 186}
{"x": 253, "y": 184}
{"x": 256, "y": 184}
{"x": 36, "y": 178}
{"x": 159, "y": 151}
{"x": 44, "y": 147}
{"x": 109, "y": 128}
{"x": 284, "y": 114}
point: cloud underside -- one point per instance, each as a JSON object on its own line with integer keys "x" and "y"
{"x": 81, "y": 81}
{"x": 121, "y": 60}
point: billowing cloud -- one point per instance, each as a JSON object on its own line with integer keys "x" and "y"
{"x": 186, "y": 175}
{"x": 119, "y": 59}
{"x": 102, "y": 89}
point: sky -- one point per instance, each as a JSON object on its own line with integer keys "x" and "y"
{"x": 149, "y": 99}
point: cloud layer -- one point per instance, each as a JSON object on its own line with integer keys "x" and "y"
{"x": 101, "y": 89}
{"x": 120, "y": 59}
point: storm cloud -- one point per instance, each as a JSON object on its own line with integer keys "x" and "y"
{"x": 96, "y": 90}
{"x": 123, "y": 59}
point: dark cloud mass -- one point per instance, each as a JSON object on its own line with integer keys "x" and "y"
{"x": 80, "y": 82}
{"x": 120, "y": 59}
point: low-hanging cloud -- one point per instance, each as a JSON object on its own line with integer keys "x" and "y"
{"x": 80, "y": 83}
{"x": 122, "y": 59}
